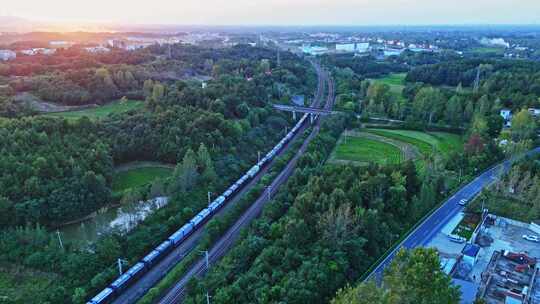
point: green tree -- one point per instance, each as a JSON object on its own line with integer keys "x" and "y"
{"x": 523, "y": 126}
{"x": 479, "y": 126}
{"x": 428, "y": 104}
{"x": 414, "y": 277}
{"x": 206, "y": 165}
{"x": 185, "y": 174}
{"x": 454, "y": 111}
{"x": 79, "y": 295}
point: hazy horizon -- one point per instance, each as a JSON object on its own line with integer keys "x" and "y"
{"x": 279, "y": 12}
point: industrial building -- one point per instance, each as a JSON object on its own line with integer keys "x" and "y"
{"x": 510, "y": 278}
{"x": 496, "y": 263}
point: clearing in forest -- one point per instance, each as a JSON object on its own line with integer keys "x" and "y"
{"x": 360, "y": 148}
{"x": 396, "y": 81}
{"x": 136, "y": 174}
{"x": 426, "y": 142}
{"x": 101, "y": 111}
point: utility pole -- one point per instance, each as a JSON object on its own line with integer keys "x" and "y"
{"x": 269, "y": 192}
{"x": 209, "y": 196}
{"x": 120, "y": 261}
{"x": 60, "y": 239}
{"x": 207, "y": 262}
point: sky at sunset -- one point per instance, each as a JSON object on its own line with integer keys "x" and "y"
{"x": 279, "y": 12}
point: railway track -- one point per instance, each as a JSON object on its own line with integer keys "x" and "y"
{"x": 177, "y": 293}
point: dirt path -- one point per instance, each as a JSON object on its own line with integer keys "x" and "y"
{"x": 409, "y": 151}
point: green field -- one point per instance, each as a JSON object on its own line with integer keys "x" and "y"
{"x": 364, "y": 150}
{"x": 102, "y": 111}
{"x": 395, "y": 81}
{"x": 425, "y": 142}
{"x": 138, "y": 176}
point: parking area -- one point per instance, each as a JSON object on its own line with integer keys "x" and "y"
{"x": 497, "y": 264}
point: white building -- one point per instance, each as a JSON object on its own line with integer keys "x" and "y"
{"x": 314, "y": 50}
{"x": 392, "y": 52}
{"x": 506, "y": 114}
{"x": 6, "y": 55}
{"x": 97, "y": 49}
{"x": 534, "y": 112}
{"x": 35, "y": 51}
{"x": 362, "y": 47}
{"x": 346, "y": 48}
{"x": 60, "y": 43}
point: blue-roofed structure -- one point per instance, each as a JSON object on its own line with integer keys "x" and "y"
{"x": 470, "y": 253}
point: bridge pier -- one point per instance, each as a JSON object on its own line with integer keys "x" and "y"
{"x": 294, "y": 115}
{"x": 311, "y": 118}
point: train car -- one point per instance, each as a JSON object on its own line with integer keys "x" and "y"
{"x": 196, "y": 220}
{"x": 214, "y": 205}
{"x": 104, "y": 297}
{"x": 165, "y": 247}
{"x": 253, "y": 171}
{"x": 227, "y": 193}
{"x": 120, "y": 283}
{"x": 179, "y": 235}
{"x": 134, "y": 273}
{"x": 150, "y": 259}
{"x": 127, "y": 278}
{"x": 204, "y": 213}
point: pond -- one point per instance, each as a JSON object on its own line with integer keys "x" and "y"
{"x": 122, "y": 219}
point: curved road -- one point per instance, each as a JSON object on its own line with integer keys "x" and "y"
{"x": 425, "y": 232}
{"x": 177, "y": 292}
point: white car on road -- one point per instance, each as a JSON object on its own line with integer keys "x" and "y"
{"x": 532, "y": 238}
{"x": 463, "y": 202}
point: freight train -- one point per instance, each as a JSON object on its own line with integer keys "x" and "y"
{"x": 146, "y": 263}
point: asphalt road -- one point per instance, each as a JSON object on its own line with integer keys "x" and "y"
{"x": 134, "y": 292}
{"x": 221, "y": 247}
{"x": 426, "y": 231}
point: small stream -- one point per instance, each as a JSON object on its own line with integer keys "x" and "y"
{"x": 122, "y": 219}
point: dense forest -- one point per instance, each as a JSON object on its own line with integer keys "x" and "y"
{"x": 517, "y": 194}
{"x": 324, "y": 230}
{"x": 413, "y": 277}
{"x": 208, "y": 112}
{"x": 59, "y": 170}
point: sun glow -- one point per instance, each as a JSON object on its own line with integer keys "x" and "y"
{"x": 97, "y": 14}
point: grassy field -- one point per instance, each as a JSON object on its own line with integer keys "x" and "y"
{"x": 358, "y": 149}
{"x": 448, "y": 142}
{"x": 102, "y": 111}
{"x": 395, "y": 81}
{"x": 425, "y": 142}
{"x": 138, "y": 176}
